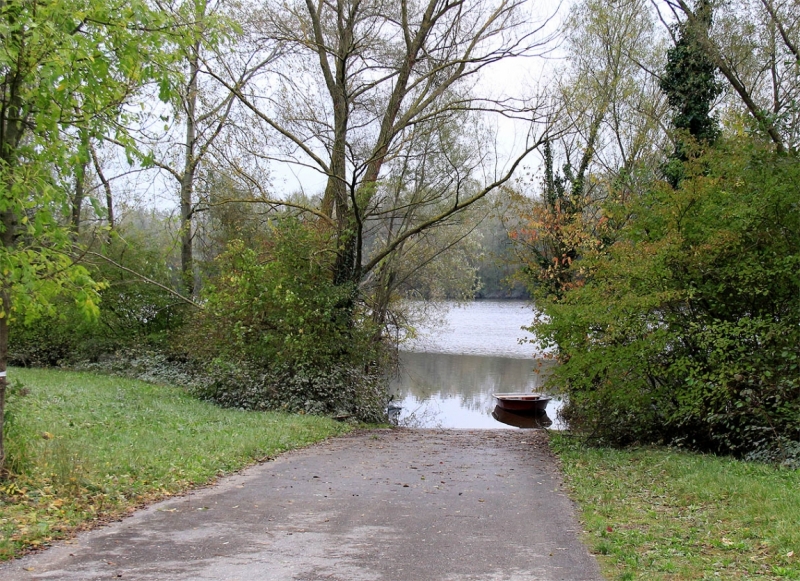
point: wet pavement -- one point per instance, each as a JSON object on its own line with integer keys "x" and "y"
{"x": 393, "y": 505}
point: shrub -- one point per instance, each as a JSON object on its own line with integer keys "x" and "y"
{"x": 686, "y": 329}
{"x": 277, "y": 333}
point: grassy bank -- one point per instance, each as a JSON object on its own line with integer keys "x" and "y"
{"x": 86, "y": 447}
{"x": 666, "y": 515}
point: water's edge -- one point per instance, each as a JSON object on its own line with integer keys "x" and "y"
{"x": 449, "y": 373}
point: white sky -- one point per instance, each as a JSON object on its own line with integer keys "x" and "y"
{"x": 517, "y": 77}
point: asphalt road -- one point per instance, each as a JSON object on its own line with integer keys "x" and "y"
{"x": 390, "y": 505}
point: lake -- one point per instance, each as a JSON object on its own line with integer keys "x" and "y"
{"x": 449, "y": 372}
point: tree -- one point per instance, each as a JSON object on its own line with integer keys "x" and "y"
{"x": 691, "y": 88}
{"x": 689, "y": 80}
{"x": 65, "y": 68}
{"x": 213, "y": 42}
{"x": 752, "y": 46}
{"x": 360, "y": 85}
{"x": 180, "y": 137}
{"x": 672, "y": 306}
{"x": 608, "y": 140}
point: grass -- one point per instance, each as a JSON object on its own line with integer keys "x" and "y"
{"x": 84, "y": 448}
{"x": 660, "y": 514}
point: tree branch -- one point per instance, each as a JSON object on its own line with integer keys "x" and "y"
{"x": 147, "y": 280}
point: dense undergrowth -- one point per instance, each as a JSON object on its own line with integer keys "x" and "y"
{"x": 269, "y": 331}
{"x": 676, "y": 315}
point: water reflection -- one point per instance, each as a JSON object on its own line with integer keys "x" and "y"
{"x": 455, "y": 391}
{"x": 522, "y": 420}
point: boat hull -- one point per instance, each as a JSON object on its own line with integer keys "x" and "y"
{"x": 521, "y": 402}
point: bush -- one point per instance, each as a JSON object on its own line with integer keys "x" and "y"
{"x": 339, "y": 391}
{"x": 132, "y": 312}
{"x": 686, "y": 330}
{"x": 276, "y": 333}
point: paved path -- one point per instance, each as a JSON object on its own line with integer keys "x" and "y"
{"x": 390, "y": 505}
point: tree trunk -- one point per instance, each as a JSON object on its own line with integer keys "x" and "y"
{"x": 4, "y": 309}
{"x": 6, "y": 239}
{"x": 80, "y": 182}
{"x": 77, "y": 200}
{"x": 336, "y": 195}
{"x": 187, "y": 179}
{"x": 106, "y": 186}
{"x": 336, "y": 191}
{"x": 7, "y": 234}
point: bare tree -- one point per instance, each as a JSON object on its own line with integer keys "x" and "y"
{"x": 611, "y": 107}
{"x": 363, "y": 87}
{"x": 201, "y": 111}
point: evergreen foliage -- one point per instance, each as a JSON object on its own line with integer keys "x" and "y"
{"x": 690, "y": 84}
{"x": 690, "y": 78}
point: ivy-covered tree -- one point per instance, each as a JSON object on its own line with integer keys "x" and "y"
{"x": 690, "y": 84}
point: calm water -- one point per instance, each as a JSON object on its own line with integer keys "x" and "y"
{"x": 492, "y": 328}
{"x": 448, "y": 374}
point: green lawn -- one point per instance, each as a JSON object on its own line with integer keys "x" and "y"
{"x": 84, "y": 447}
{"x": 659, "y": 514}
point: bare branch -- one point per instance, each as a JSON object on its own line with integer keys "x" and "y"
{"x": 274, "y": 203}
{"x": 456, "y": 207}
{"x": 142, "y": 277}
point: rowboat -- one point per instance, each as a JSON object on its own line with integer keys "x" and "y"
{"x": 521, "y": 402}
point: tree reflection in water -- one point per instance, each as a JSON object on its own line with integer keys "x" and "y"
{"x": 449, "y": 372}
{"x": 455, "y": 391}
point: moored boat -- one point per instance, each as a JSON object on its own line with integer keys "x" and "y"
{"x": 522, "y": 402}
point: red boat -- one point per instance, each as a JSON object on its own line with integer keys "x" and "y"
{"x": 522, "y": 402}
